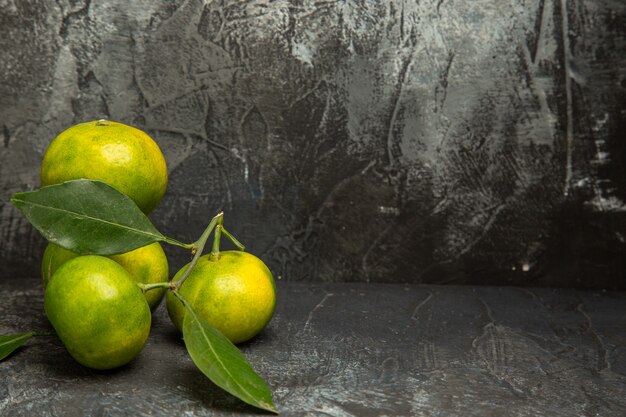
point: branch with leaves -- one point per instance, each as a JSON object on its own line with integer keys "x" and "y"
{"x": 91, "y": 217}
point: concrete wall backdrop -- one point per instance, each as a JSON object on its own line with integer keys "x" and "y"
{"x": 414, "y": 141}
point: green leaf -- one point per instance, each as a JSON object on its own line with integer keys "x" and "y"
{"x": 222, "y": 362}
{"x": 11, "y": 342}
{"x": 88, "y": 217}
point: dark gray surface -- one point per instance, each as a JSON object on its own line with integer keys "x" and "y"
{"x": 437, "y": 141}
{"x": 355, "y": 350}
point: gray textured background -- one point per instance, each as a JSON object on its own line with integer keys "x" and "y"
{"x": 425, "y": 141}
{"x": 398, "y": 350}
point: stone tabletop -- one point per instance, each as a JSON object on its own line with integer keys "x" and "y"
{"x": 353, "y": 350}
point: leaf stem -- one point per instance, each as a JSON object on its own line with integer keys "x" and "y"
{"x": 181, "y": 299}
{"x": 178, "y": 243}
{"x": 197, "y": 249}
{"x": 232, "y": 238}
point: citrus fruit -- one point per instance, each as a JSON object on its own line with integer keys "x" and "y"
{"x": 235, "y": 294}
{"x": 147, "y": 265}
{"x": 98, "y": 311}
{"x": 122, "y": 156}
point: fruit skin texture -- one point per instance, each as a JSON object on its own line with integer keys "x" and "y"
{"x": 235, "y": 294}
{"x": 120, "y": 155}
{"x": 147, "y": 265}
{"x": 98, "y": 312}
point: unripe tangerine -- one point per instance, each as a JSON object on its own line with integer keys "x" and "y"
{"x": 235, "y": 294}
{"x": 98, "y": 312}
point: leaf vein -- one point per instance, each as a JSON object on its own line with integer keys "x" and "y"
{"x": 94, "y": 219}
{"x": 217, "y": 356}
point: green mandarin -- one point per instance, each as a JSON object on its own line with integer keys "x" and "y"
{"x": 98, "y": 311}
{"x": 147, "y": 265}
{"x": 235, "y": 294}
{"x": 120, "y": 155}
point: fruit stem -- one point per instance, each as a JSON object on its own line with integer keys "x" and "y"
{"x": 197, "y": 249}
{"x": 148, "y": 287}
{"x": 215, "y": 252}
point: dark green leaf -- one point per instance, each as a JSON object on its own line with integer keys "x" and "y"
{"x": 223, "y": 363}
{"x": 11, "y": 342}
{"x": 87, "y": 217}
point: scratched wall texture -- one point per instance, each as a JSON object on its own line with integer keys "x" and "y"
{"x": 412, "y": 141}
